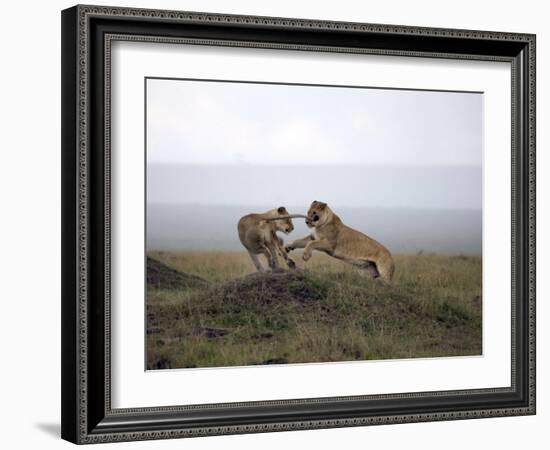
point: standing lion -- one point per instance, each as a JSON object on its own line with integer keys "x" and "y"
{"x": 258, "y": 234}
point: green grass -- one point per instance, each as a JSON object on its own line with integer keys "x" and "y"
{"x": 328, "y": 311}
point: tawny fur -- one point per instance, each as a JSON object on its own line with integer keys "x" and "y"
{"x": 331, "y": 236}
{"x": 258, "y": 234}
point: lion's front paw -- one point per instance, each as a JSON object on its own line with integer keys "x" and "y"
{"x": 306, "y": 256}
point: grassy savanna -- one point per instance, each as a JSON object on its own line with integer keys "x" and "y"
{"x": 223, "y": 315}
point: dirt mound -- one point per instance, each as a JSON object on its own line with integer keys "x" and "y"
{"x": 272, "y": 287}
{"x": 161, "y": 276}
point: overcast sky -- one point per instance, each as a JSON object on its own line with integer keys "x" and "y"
{"x": 227, "y": 143}
{"x": 197, "y": 122}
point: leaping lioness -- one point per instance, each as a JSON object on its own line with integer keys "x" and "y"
{"x": 258, "y": 234}
{"x": 332, "y": 237}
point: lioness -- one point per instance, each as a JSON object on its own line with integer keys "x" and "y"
{"x": 332, "y": 237}
{"x": 258, "y": 234}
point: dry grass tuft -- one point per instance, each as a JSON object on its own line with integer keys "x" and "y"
{"x": 324, "y": 311}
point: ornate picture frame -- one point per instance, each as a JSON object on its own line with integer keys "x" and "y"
{"x": 88, "y": 33}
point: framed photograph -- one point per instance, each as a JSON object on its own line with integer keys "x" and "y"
{"x": 268, "y": 222}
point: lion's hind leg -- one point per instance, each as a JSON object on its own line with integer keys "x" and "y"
{"x": 271, "y": 257}
{"x": 386, "y": 268}
{"x": 366, "y": 267}
{"x": 370, "y": 268}
{"x": 256, "y": 261}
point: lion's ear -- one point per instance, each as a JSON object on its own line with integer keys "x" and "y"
{"x": 321, "y": 205}
{"x": 281, "y": 210}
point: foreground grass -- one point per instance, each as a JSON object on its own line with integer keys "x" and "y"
{"x": 329, "y": 312}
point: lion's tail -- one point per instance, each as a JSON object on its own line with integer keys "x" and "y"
{"x": 289, "y": 216}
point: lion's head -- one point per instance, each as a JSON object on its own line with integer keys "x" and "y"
{"x": 317, "y": 214}
{"x": 284, "y": 225}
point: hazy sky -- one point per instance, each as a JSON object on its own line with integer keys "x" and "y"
{"x": 439, "y": 187}
{"x": 244, "y": 143}
{"x": 197, "y": 122}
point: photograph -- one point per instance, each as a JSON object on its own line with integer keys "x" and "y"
{"x": 302, "y": 223}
